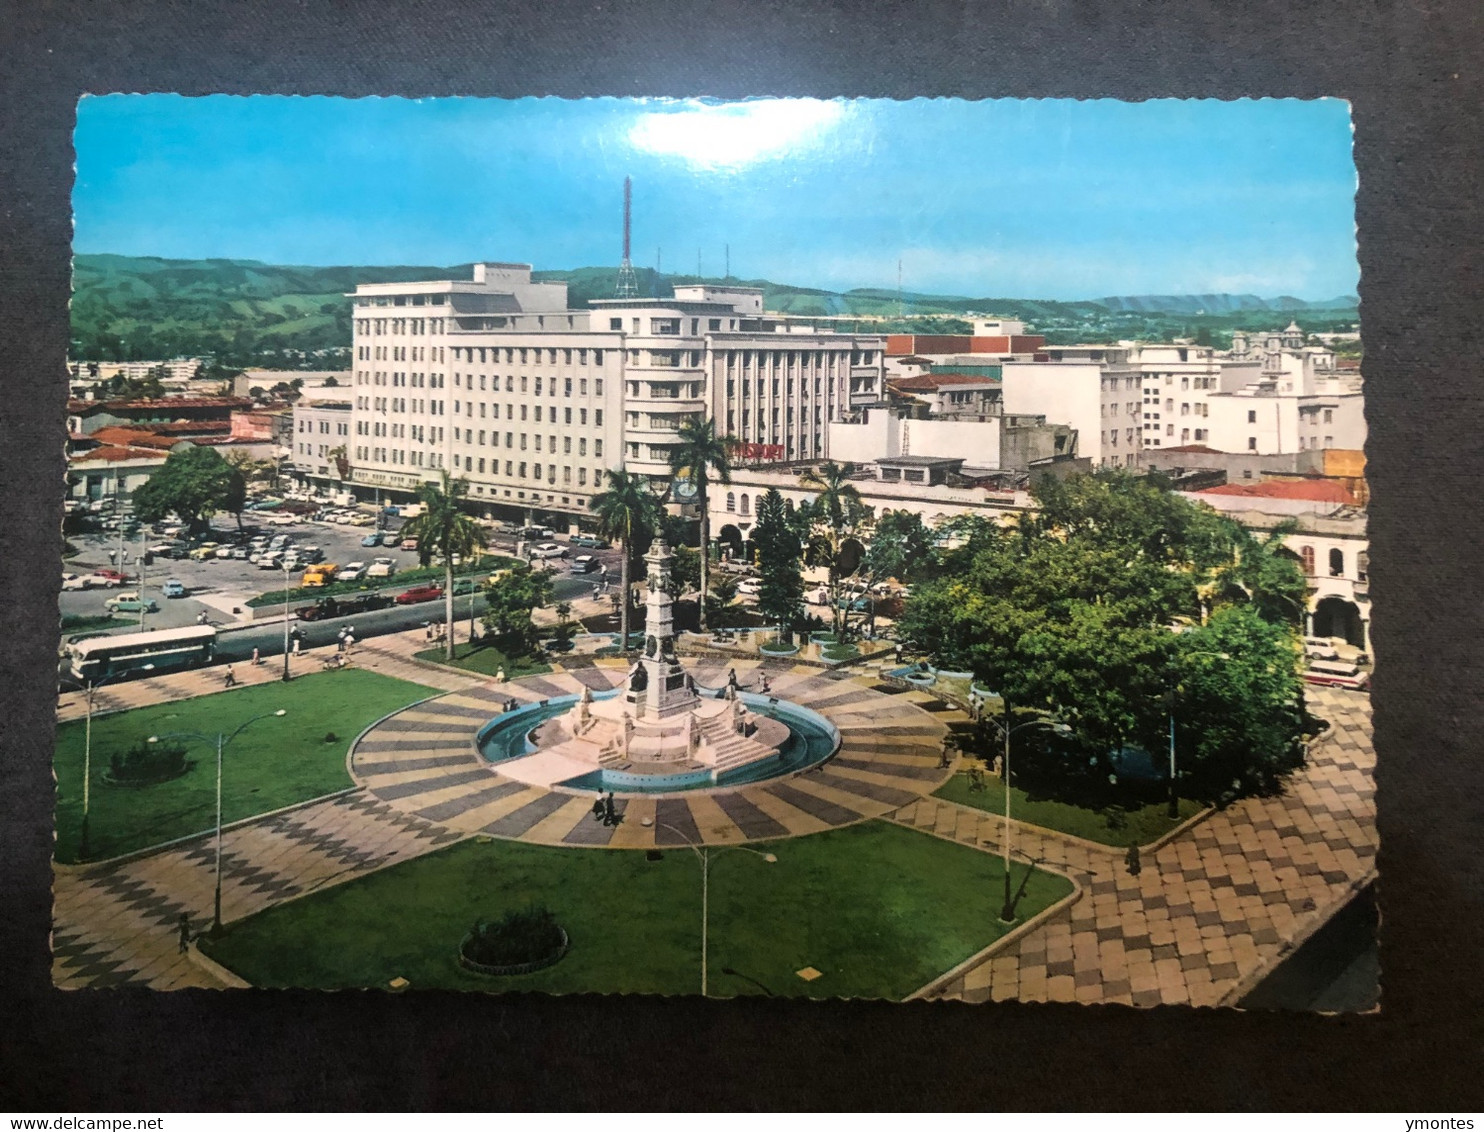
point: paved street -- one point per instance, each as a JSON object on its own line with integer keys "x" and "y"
{"x": 1214, "y": 909}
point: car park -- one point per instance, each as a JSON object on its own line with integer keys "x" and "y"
{"x": 418, "y": 594}
{"x": 352, "y": 572}
{"x": 131, "y": 603}
{"x": 174, "y": 587}
{"x": 548, "y": 550}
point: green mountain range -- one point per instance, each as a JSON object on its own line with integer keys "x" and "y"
{"x": 244, "y": 313}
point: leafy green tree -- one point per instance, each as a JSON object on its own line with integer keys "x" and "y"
{"x": 901, "y": 547}
{"x": 723, "y": 594}
{"x": 510, "y": 597}
{"x": 627, "y": 514}
{"x": 779, "y": 559}
{"x": 702, "y": 455}
{"x": 444, "y": 529}
{"x": 195, "y": 483}
{"x": 1073, "y": 614}
{"x": 838, "y": 517}
{"x": 1260, "y": 572}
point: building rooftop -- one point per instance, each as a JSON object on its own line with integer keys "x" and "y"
{"x": 932, "y": 382}
{"x": 920, "y": 462}
{"x": 1318, "y": 490}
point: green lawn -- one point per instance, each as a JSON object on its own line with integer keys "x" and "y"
{"x": 1111, "y": 826}
{"x": 878, "y": 909}
{"x": 274, "y": 763}
{"x": 487, "y": 661}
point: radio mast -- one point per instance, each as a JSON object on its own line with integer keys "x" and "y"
{"x": 628, "y": 283}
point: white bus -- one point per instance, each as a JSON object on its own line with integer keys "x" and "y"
{"x": 163, "y": 650}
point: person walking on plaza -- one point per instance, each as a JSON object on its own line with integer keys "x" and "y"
{"x": 255, "y": 659}
{"x": 1132, "y": 859}
{"x": 185, "y": 933}
{"x": 230, "y": 678}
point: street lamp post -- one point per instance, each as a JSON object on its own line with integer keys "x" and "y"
{"x": 1007, "y": 911}
{"x": 84, "y": 848}
{"x": 221, "y": 740}
{"x": 285, "y": 619}
{"x": 1172, "y": 808}
{"x": 704, "y": 854}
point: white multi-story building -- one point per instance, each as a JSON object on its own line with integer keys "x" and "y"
{"x": 321, "y": 432}
{"x": 497, "y": 380}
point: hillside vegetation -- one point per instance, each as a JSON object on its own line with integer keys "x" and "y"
{"x": 245, "y": 313}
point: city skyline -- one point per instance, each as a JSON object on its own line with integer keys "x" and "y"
{"x": 1087, "y": 199}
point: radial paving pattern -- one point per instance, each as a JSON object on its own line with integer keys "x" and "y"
{"x": 422, "y": 760}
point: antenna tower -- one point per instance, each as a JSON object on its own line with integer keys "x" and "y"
{"x": 628, "y": 283}
{"x": 901, "y": 310}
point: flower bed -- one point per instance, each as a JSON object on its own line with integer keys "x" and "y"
{"x": 516, "y": 944}
{"x": 146, "y": 764}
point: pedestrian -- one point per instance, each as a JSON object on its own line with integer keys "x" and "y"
{"x": 899, "y": 653}
{"x": 231, "y": 679}
{"x": 255, "y": 659}
{"x": 500, "y": 676}
{"x": 340, "y": 642}
{"x": 597, "y": 591}
{"x": 350, "y": 639}
{"x": 113, "y": 556}
{"x": 125, "y": 559}
{"x": 999, "y": 766}
{"x": 185, "y": 933}
{"x": 428, "y": 631}
{"x": 1132, "y": 859}
{"x": 201, "y": 618}
{"x": 297, "y": 642}
{"x": 944, "y": 756}
{"x": 610, "y": 815}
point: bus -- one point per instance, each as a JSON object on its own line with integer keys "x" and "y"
{"x": 1337, "y": 674}
{"x": 162, "y": 651}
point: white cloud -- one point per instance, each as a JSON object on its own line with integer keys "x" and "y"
{"x": 728, "y": 136}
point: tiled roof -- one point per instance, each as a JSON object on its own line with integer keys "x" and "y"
{"x": 113, "y": 453}
{"x": 932, "y": 382}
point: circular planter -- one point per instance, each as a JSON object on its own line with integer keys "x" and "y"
{"x": 140, "y": 783}
{"x": 823, "y": 638}
{"x": 920, "y": 679}
{"x": 771, "y": 649}
{"x": 838, "y": 653}
{"x": 511, "y": 968}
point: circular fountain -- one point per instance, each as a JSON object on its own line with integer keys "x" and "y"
{"x": 659, "y": 732}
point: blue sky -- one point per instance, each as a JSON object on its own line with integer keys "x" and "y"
{"x": 1026, "y": 199}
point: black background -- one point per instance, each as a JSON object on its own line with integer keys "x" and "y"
{"x": 1411, "y": 72}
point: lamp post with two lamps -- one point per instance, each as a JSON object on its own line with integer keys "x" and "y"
{"x": 84, "y": 847}
{"x": 704, "y": 854}
{"x": 1005, "y": 730}
{"x": 221, "y": 739}
{"x": 285, "y": 618}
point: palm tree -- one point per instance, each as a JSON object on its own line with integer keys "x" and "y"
{"x": 626, "y": 513}
{"x": 839, "y": 508}
{"x": 703, "y": 454}
{"x": 443, "y": 528}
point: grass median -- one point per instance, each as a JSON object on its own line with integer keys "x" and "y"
{"x": 274, "y": 763}
{"x": 877, "y": 910}
{"x": 1112, "y": 825}
{"x": 484, "y": 659}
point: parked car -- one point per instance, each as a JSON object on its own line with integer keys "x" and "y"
{"x": 321, "y": 574}
{"x": 373, "y": 539}
{"x": 462, "y": 587}
{"x": 381, "y": 568}
{"x": 223, "y": 552}
{"x": 74, "y": 582}
{"x": 311, "y": 554}
{"x": 586, "y": 564}
{"x": 592, "y": 542}
{"x": 419, "y": 593}
{"x": 174, "y": 587}
{"x": 239, "y": 553}
{"x": 408, "y": 544}
{"x": 749, "y": 587}
{"x": 270, "y": 560}
{"x": 548, "y": 550}
{"x": 131, "y": 602}
{"x": 353, "y": 572}
{"x": 204, "y": 551}
{"x": 1320, "y": 648}
{"x": 391, "y": 538}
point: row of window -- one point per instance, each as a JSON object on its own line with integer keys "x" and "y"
{"x": 399, "y": 456}
{"x": 539, "y": 384}
{"x": 399, "y": 325}
{"x": 1186, "y": 435}
{"x": 341, "y": 427}
{"x": 412, "y": 380}
{"x": 525, "y": 355}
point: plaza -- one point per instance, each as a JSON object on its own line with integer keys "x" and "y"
{"x": 1218, "y": 903}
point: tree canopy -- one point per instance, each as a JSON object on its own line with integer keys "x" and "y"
{"x": 509, "y": 598}
{"x": 703, "y": 455}
{"x": 779, "y": 547}
{"x": 1077, "y": 612}
{"x": 194, "y": 483}
{"x": 628, "y": 514}
{"x": 444, "y": 529}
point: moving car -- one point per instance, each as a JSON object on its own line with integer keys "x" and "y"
{"x": 592, "y": 542}
{"x": 329, "y": 607}
{"x": 419, "y": 593}
{"x": 174, "y": 587}
{"x": 750, "y": 587}
{"x": 131, "y": 603}
{"x": 74, "y": 582}
{"x": 381, "y": 568}
{"x": 548, "y": 550}
{"x": 586, "y": 564}
{"x": 106, "y": 578}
